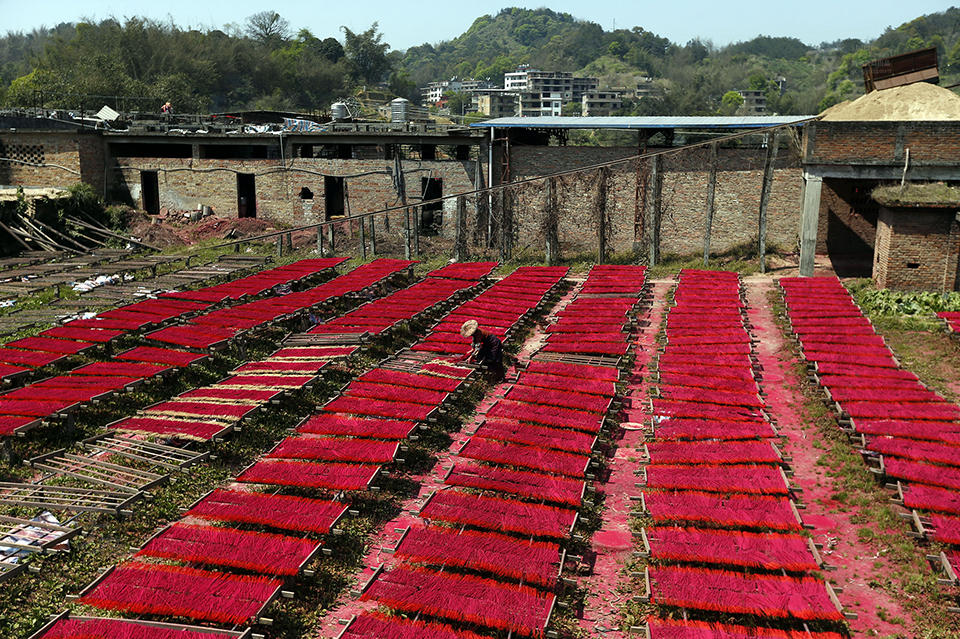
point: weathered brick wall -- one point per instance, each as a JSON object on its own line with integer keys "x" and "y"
{"x": 185, "y": 183}
{"x": 53, "y": 148}
{"x": 848, "y": 217}
{"x": 917, "y": 249}
{"x": 93, "y": 162}
{"x": 737, "y": 201}
{"x": 882, "y": 143}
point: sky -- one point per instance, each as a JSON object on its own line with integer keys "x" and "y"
{"x": 406, "y": 24}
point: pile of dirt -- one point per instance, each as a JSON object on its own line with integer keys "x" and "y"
{"x": 920, "y": 101}
{"x": 219, "y": 227}
{"x": 171, "y": 230}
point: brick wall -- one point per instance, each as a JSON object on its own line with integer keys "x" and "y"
{"x": 62, "y": 149}
{"x": 882, "y": 143}
{"x": 917, "y": 249}
{"x": 185, "y": 183}
{"x": 684, "y": 192}
{"x": 848, "y": 217}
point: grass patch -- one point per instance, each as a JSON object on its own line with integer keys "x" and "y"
{"x": 936, "y": 194}
{"x": 908, "y": 324}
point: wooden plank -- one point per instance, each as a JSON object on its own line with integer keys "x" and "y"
{"x": 711, "y": 202}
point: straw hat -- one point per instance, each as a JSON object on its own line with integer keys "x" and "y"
{"x": 469, "y": 328}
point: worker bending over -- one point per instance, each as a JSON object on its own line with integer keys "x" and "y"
{"x": 487, "y": 349}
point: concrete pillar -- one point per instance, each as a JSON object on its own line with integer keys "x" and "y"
{"x": 809, "y": 219}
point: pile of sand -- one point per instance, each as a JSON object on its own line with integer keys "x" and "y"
{"x": 918, "y": 101}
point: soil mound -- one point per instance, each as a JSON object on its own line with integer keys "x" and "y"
{"x": 171, "y": 230}
{"x": 920, "y": 101}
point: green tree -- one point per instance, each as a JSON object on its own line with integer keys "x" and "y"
{"x": 268, "y": 28}
{"x": 458, "y": 101}
{"x": 331, "y": 49}
{"x": 401, "y": 85}
{"x": 367, "y": 53}
{"x": 758, "y": 82}
{"x": 730, "y": 102}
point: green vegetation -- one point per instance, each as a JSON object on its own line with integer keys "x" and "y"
{"x": 929, "y": 194}
{"x": 145, "y": 63}
{"x": 265, "y": 64}
{"x": 916, "y": 308}
{"x": 909, "y": 326}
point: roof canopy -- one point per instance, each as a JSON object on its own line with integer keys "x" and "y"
{"x": 651, "y": 122}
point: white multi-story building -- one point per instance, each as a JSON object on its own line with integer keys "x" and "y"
{"x": 434, "y": 91}
{"x": 535, "y": 104}
{"x": 545, "y": 92}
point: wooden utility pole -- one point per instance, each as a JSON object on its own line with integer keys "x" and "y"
{"x": 407, "y": 248}
{"x": 711, "y": 198}
{"x": 640, "y": 192}
{"x": 506, "y": 225}
{"x": 656, "y": 176}
{"x": 601, "y": 210}
{"x": 319, "y": 240}
{"x": 417, "y": 217}
{"x": 363, "y": 237}
{"x": 480, "y": 237}
{"x": 373, "y": 235}
{"x": 772, "y": 141}
{"x": 550, "y": 232}
{"x": 460, "y": 252}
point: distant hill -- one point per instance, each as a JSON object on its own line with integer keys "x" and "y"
{"x": 268, "y": 64}
{"x": 693, "y": 75}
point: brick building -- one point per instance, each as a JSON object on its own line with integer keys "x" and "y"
{"x": 843, "y": 162}
{"x": 917, "y": 248}
{"x": 292, "y": 178}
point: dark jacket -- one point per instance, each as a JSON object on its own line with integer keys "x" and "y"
{"x": 489, "y": 350}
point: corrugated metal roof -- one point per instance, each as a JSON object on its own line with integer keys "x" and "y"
{"x": 650, "y": 122}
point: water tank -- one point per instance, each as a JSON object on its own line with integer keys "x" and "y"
{"x": 399, "y": 110}
{"x": 339, "y": 111}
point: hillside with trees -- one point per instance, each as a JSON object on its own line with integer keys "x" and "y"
{"x": 265, "y": 63}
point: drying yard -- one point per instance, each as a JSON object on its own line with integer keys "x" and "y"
{"x": 301, "y": 451}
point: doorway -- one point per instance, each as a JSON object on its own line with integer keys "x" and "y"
{"x": 431, "y": 216}
{"x": 150, "y": 192}
{"x": 333, "y": 195}
{"x": 246, "y": 195}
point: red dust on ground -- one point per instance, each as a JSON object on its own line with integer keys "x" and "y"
{"x": 856, "y": 563}
{"x": 613, "y": 544}
{"x": 348, "y": 604}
